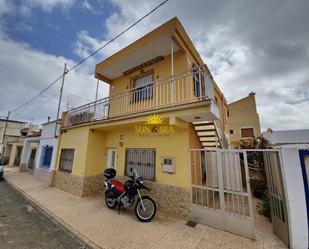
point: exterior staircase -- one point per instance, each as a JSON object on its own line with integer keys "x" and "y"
{"x": 209, "y": 134}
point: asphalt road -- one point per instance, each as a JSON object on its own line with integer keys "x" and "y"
{"x": 22, "y": 226}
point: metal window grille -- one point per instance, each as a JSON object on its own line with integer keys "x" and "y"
{"x": 143, "y": 161}
{"x": 66, "y": 160}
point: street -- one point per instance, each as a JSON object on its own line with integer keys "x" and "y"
{"x": 22, "y": 226}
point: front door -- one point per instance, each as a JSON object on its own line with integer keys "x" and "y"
{"x": 111, "y": 158}
{"x": 31, "y": 159}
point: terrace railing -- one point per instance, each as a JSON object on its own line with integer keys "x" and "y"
{"x": 191, "y": 86}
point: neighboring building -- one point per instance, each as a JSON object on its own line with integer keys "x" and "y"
{"x": 163, "y": 101}
{"x": 29, "y": 153}
{"x": 287, "y": 138}
{"x": 39, "y": 153}
{"x": 13, "y": 128}
{"x": 243, "y": 120}
{"x": 13, "y": 140}
{"x": 47, "y": 152}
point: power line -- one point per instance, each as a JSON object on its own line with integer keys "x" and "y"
{"x": 89, "y": 56}
{"x": 38, "y": 94}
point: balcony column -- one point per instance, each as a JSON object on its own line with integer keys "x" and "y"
{"x": 172, "y": 72}
{"x": 96, "y": 99}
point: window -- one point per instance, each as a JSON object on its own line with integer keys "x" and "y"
{"x": 231, "y": 131}
{"x": 247, "y": 132}
{"x": 142, "y": 88}
{"x": 66, "y": 160}
{"x": 47, "y": 153}
{"x": 143, "y": 161}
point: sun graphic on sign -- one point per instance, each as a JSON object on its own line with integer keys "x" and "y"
{"x": 154, "y": 119}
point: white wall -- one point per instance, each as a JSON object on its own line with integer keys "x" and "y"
{"x": 48, "y": 138}
{"x": 296, "y": 200}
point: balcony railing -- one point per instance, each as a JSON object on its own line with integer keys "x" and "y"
{"x": 188, "y": 87}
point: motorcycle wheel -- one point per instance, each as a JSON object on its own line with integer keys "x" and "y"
{"x": 110, "y": 201}
{"x": 150, "y": 209}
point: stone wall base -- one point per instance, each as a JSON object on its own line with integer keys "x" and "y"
{"x": 68, "y": 182}
{"x": 175, "y": 201}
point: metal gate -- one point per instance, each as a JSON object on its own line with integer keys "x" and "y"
{"x": 221, "y": 195}
{"x": 276, "y": 194}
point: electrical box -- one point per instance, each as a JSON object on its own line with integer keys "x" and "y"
{"x": 168, "y": 165}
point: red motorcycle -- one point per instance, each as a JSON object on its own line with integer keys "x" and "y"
{"x": 125, "y": 195}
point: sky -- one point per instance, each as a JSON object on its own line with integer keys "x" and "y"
{"x": 249, "y": 46}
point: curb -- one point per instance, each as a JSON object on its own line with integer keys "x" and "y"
{"x": 82, "y": 239}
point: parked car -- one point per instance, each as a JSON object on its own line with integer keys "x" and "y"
{"x": 2, "y": 163}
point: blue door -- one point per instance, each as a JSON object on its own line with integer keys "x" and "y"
{"x": 48, "y": 152}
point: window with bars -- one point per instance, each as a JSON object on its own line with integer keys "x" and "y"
{"x": 143, "y": 161}
{"x": 66, "y": 160}
{"x": 142, "y": 88}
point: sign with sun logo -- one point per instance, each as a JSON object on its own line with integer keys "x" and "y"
{"x": 154, "y": 119}
{"x": 153, "y": 127}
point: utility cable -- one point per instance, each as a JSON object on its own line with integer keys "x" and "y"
{"x": 89, "y": 56}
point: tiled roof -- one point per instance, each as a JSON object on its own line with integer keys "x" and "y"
{"x": 35, "y": 134}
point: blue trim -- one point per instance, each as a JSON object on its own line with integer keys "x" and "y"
{"x": 302, "y": 154}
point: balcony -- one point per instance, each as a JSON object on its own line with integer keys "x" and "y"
{"x": 178, "y": 90}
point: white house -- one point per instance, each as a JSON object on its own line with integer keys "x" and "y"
{"x": 29, "y": 152}
{"x": 287, "y": 137}
{"x": 39, "y": 151}
{"x": 47, "y": 152}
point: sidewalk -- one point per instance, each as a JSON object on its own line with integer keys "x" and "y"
{"x": 89, "y": 219}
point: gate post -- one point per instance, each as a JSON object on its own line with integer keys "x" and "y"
{"x": 248, "y": 186}
{"x": 220, "y": 179}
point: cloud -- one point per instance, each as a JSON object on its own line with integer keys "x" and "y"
{"x": 249, "y": 46}
{"x": 6, "y": 7}
{"x": 29, "y": 71}
{"x": 26, "y": 6}
{"x": 258, "y": 46}
{"x": 85, "y": 4}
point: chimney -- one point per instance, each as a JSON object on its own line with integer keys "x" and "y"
{"x": 48, "y": 119}
{"x": 269, "y": 130}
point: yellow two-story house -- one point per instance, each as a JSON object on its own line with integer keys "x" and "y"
{"x": 163, "y": 101}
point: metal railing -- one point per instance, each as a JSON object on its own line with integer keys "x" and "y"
{"x": 191, "y": 86}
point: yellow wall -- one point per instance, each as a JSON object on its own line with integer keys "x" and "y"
{"x": 91, "y": 150}
{"x": 243, "y": 114}
{"x": 96, "y": 157}
{"x": 161, "y": 69}
{"x": 75, "y": 139}
{"x": 165, "y": 147}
